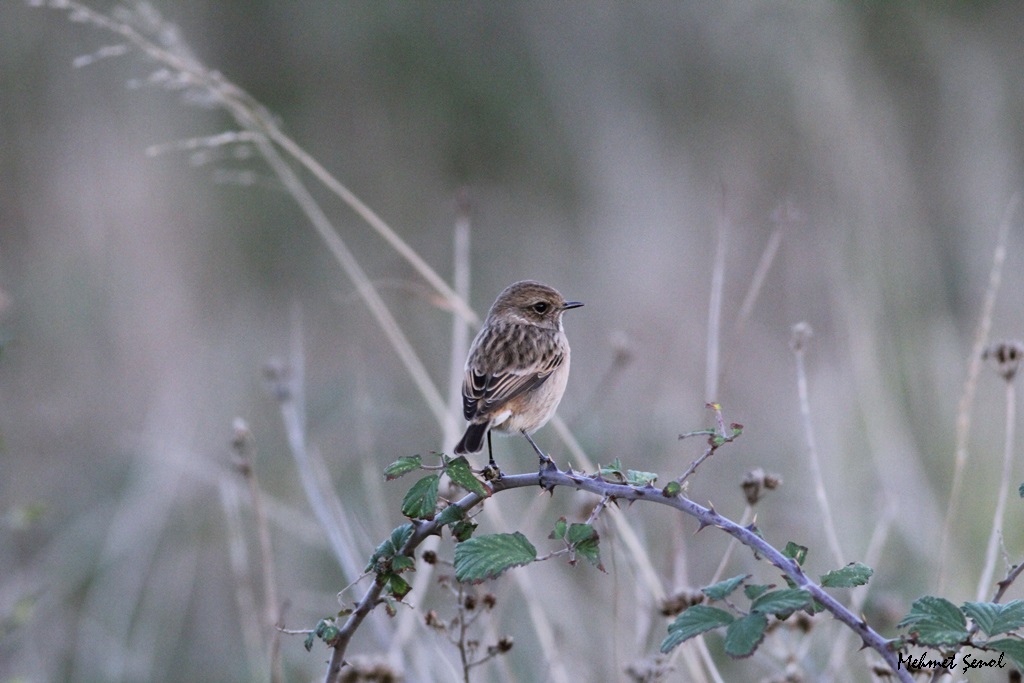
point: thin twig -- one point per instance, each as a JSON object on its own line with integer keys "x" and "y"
{"x": 716, "y": 439}
{"x": 244, "y": 447}
{"x": 1005, "y": 584}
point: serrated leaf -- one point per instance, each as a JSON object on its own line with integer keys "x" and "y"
{"x": 613, "y": 472}
{"x": 402, "y": 563}
{"x": 993, "y": 618}
{"x": 782, "y": 602}
{"x": 450, "y": 514}
{"x": 722, "y": 589}
{"x": 1013, "y": 647}
{"x": 753, "y": 591}
{"x": 580, "y": 532}
{"x": 694, "y": 621}
{"x": 795, "y": 551}
{"x": 398, "y": 586}
{"x": 485, "y": 557}
{"x": 404, "y": 465}
{"x": 461, "y": 474}
{"x": 936, "y": 621}
{"x": 421, "y": 500}
{"x": 561, "y": 526}
{"x": 463, "y": 530}
{"x": 744, "y": 635}
{"x": 639, "y": 478}
{"x": 390, "y": 547}
{"x": 400, "y": 536}
{"x": 584, "y": 541}
{"x": 853, "y": 574}
{"x": 327, "y": 631}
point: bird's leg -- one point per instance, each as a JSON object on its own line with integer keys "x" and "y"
{"x": 544, "y": 459}
{"x": 491, "y": 471}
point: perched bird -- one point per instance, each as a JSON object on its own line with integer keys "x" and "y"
{"x": 518, "y": 366}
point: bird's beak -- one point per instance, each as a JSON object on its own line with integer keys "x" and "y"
{"x": 571, "y": 304}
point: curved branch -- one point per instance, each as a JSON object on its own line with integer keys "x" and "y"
{"x": 550, "y": 477}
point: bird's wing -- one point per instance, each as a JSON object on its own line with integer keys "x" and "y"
{"x": 484, "y": 394}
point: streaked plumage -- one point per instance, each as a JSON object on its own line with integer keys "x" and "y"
{"x": 518, "y": 365}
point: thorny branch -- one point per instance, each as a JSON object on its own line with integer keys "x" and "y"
{"x": 550, "y": 477}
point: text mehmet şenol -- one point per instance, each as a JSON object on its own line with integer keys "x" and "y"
{"x": 967, "y": 662}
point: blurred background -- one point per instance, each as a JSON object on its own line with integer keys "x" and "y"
{"x": 867, "y": 153}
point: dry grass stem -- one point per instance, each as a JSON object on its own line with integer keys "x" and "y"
{"x": 995, "y": 536}
{"x": 966, "y": 404}
{"x": 801, "y": 335}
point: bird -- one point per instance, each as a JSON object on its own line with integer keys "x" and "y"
{"x": 517, "y": 367}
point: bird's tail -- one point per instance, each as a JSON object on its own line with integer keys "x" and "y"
{"x": 473, "y": 440}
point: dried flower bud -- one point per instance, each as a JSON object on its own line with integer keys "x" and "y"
{"x": 1007, "y": 356}
{"x": 757, "y": 482}
{"x": 800, "y": 335}
{"x": 680, "y": 600}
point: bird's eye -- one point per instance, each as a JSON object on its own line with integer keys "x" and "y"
{"x": 541, "y": 307}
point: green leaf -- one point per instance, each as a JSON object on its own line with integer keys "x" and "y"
{"x": 561, "y": 526}
{"x": 795, "y": 551}
{"x": 579, "y": 533}
{"x": 671, "y": 489}
{"x": 694, "y": 621}
{"x": 853, "y": 574}
{"x": 326, "y": 630}
{"x": 993, "y": 618}
{"x": 400, "y": 536}
{"x": 308, "y": 642}
{"x": 722, "y": 589}
{"x": 584, "y": 541}
{"x": 753, "y": 591}
{"x": 1013, "y": 647}
{"x": 402, "y": 563}
{"x": 451, "y": 514}
{"x": 935, "y": 621}
{"x": 461, "y": 474}
{"x": 421, "y": 500}
{"x": 613, "y": 472}
{"x": 639, "y": 478}
{"x": 403, "y": 465}
{"x": 485, "y": 557}
{"x": 463, "y": 530}
{"x": 782, "y": 602}
{"x": 398, "y": 586}
{"x": 390, "y": 547}
{"x": 745, "y": 634}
